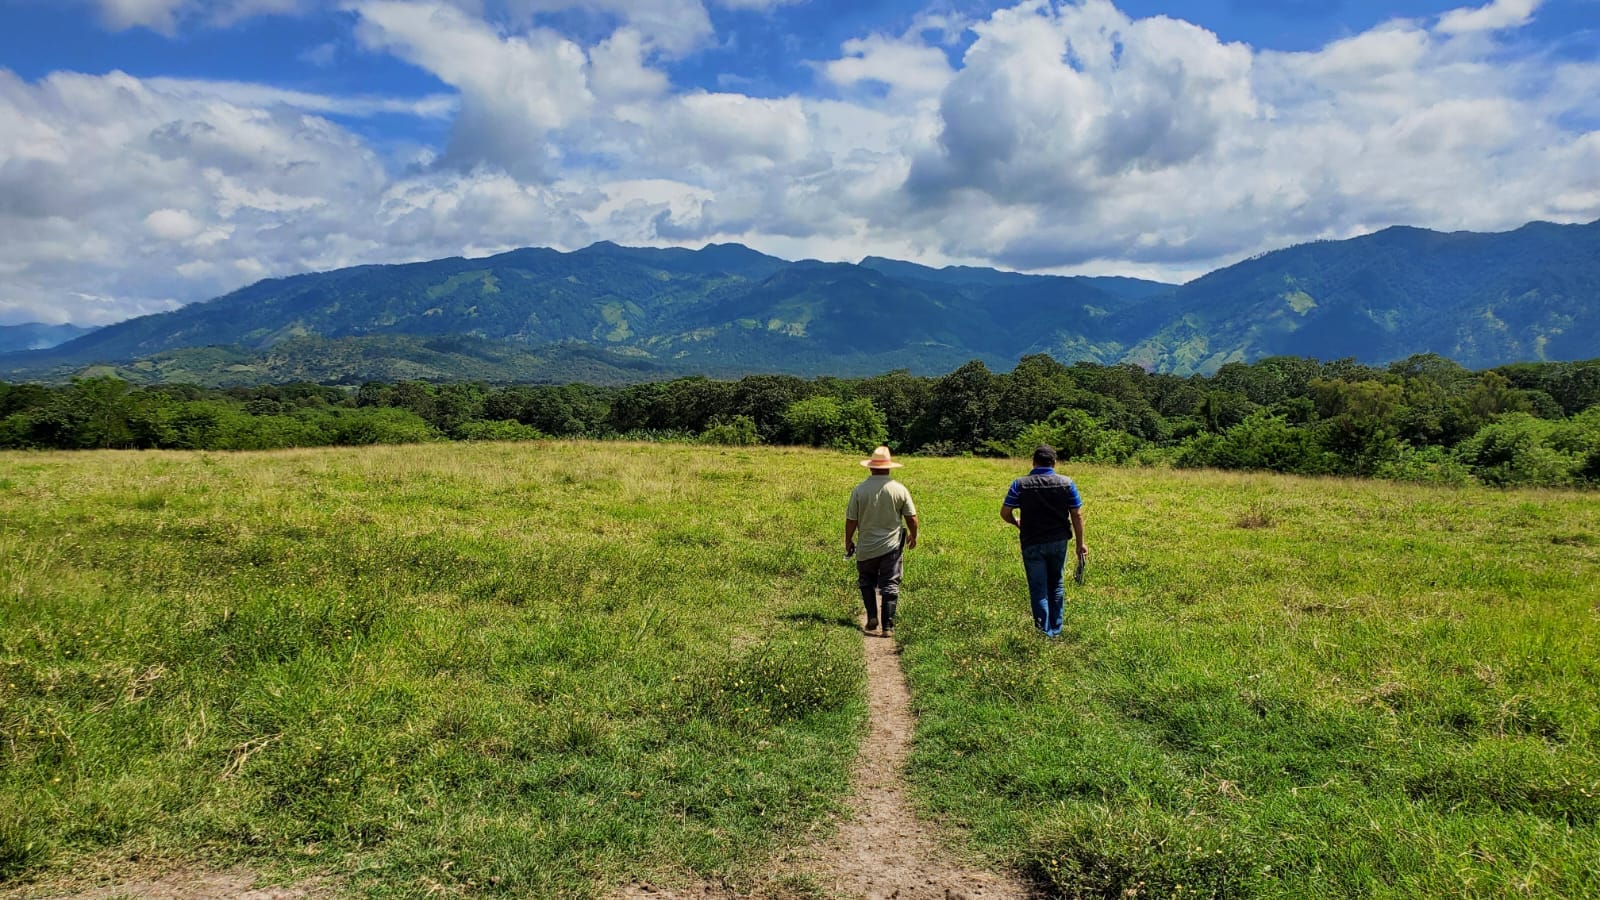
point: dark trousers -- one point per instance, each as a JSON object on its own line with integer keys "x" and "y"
{"x": 879, "y": 579}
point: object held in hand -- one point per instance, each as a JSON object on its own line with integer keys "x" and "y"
{"x": 1077, "y": 572}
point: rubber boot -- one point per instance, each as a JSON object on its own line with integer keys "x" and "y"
{"x": 872, "y": 612}
{"x": 889, "y": 604}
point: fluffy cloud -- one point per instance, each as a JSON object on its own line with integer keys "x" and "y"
{"x": 1497, "y": 15}
{"x": 112, "y": 186}
{"x": 1073, "y": 133}
{"x": 514, "y": 90}
{"x": 165, "y": 15}
{"x": 671, "y": 27}
{"x": 246, "y": 94}
{"x": 160, "y": 15}
{"x": 532, "y": 100}
{"x": 1053, "y": 101}
{"x": 907, "y": 66}
{"x": 1069, "y": 136}
{"x": 119, "y": 198}
{"x": 617, "y": 69}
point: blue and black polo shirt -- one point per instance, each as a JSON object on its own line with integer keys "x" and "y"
{"x": 1046, "y": 501}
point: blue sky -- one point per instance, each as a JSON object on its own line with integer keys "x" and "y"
{"x": 158, "y": 152}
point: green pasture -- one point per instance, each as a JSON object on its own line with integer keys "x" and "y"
{"x": 550, "y": 669}
{"x": 1271, "y": 687}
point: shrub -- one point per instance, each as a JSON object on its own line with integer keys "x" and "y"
{"x": 16, "y": 431}
{"x": 824, "y": 421}
{"x": 384, "y": 425}
{"x": 1261, "y": 442}
{"x": 739, "y": 431}
{"x": 1580, "y": 438}
{"x": 657, "y": 436}
{"x": 1075, "y": 434}
{"x": 1115, "y": 447}
{"x": 1427, "y": 465}
{"x": 1520, "y": 450}
{"x": 496, "y": 430}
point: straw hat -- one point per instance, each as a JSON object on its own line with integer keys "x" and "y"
{"x": 881, "y": 460}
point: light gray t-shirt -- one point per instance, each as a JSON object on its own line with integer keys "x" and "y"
{"x": 876, "y": 505}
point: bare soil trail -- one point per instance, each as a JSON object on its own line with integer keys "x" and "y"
{"x": 882, "y": 850}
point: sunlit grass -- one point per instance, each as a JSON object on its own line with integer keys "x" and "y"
{"x": 1270, "y": 687}
{"x": 535, "y": 669}
{"x": 548, "y": 669}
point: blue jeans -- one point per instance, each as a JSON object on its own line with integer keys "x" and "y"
{"x": 1045, "y": 564}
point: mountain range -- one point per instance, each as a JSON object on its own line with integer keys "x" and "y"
{"x": 34, "y": 336}
{"x": 610, "y": 314}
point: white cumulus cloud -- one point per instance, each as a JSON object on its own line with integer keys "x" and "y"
{"x": 118, "y": 198}
{"x": 1074, "y": 134}
{"x": 672, "y": 27}
{"x": 1069, "y": 136}
{"x": 165, "y": 16}
{"x": 159, "y": 15}
{"x": 172, "y": 224}
{"x": 1495, "y": 16}
{"x": 515, "y": 89}
{"x": 907, "y": 66}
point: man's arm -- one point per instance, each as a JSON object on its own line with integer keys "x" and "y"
{"x": 1008, "y": 506}
{"x": 1077, "y": 529}
{"x": 1008, "y": 514}
{"x": 850, "y": 536}
{"x": 911, "y": 532}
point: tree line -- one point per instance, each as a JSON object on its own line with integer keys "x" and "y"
{"x": 1424, "y": 418}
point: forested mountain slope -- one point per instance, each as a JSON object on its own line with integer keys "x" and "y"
{"x": 1481, "y": 299}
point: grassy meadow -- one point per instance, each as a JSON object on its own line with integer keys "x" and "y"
{"x": 550, "y": 669}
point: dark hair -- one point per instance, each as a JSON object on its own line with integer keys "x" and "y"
{"x": 1044, "y": 455}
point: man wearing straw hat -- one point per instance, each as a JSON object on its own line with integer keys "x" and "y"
{"x": 876, "y": 507}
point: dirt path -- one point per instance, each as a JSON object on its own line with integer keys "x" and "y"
{"x": 881, "y": 850}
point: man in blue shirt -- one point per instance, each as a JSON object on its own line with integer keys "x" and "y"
{"x": 1052, "y": 512}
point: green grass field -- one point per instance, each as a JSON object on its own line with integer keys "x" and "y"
{"x": 549, "y": 669}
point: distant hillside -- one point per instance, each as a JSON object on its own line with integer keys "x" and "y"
{"x": 34, "y": 336}
{"x": 610, "y": 314}
{"x": 602, "y": 295}
{"x": 386, "y": 358}
{"x": 1480, "y": 299}
{"x": 1127, "y": 288}
{"x": 724, "y": 309}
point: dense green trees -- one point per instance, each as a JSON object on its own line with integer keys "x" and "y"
{"x": 1422, "y": 418}
{"x": 826, "y": 421}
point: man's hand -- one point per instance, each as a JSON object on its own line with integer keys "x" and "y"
{"x": 849, "y": 549}
{"x": 1083, "y": 551}
{"x": 911, "y": 542}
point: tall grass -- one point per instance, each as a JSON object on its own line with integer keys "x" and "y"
{"x": 1269, "y": 687}
{"x": 536, "y": 670}
{"x": 547, "y": 669}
